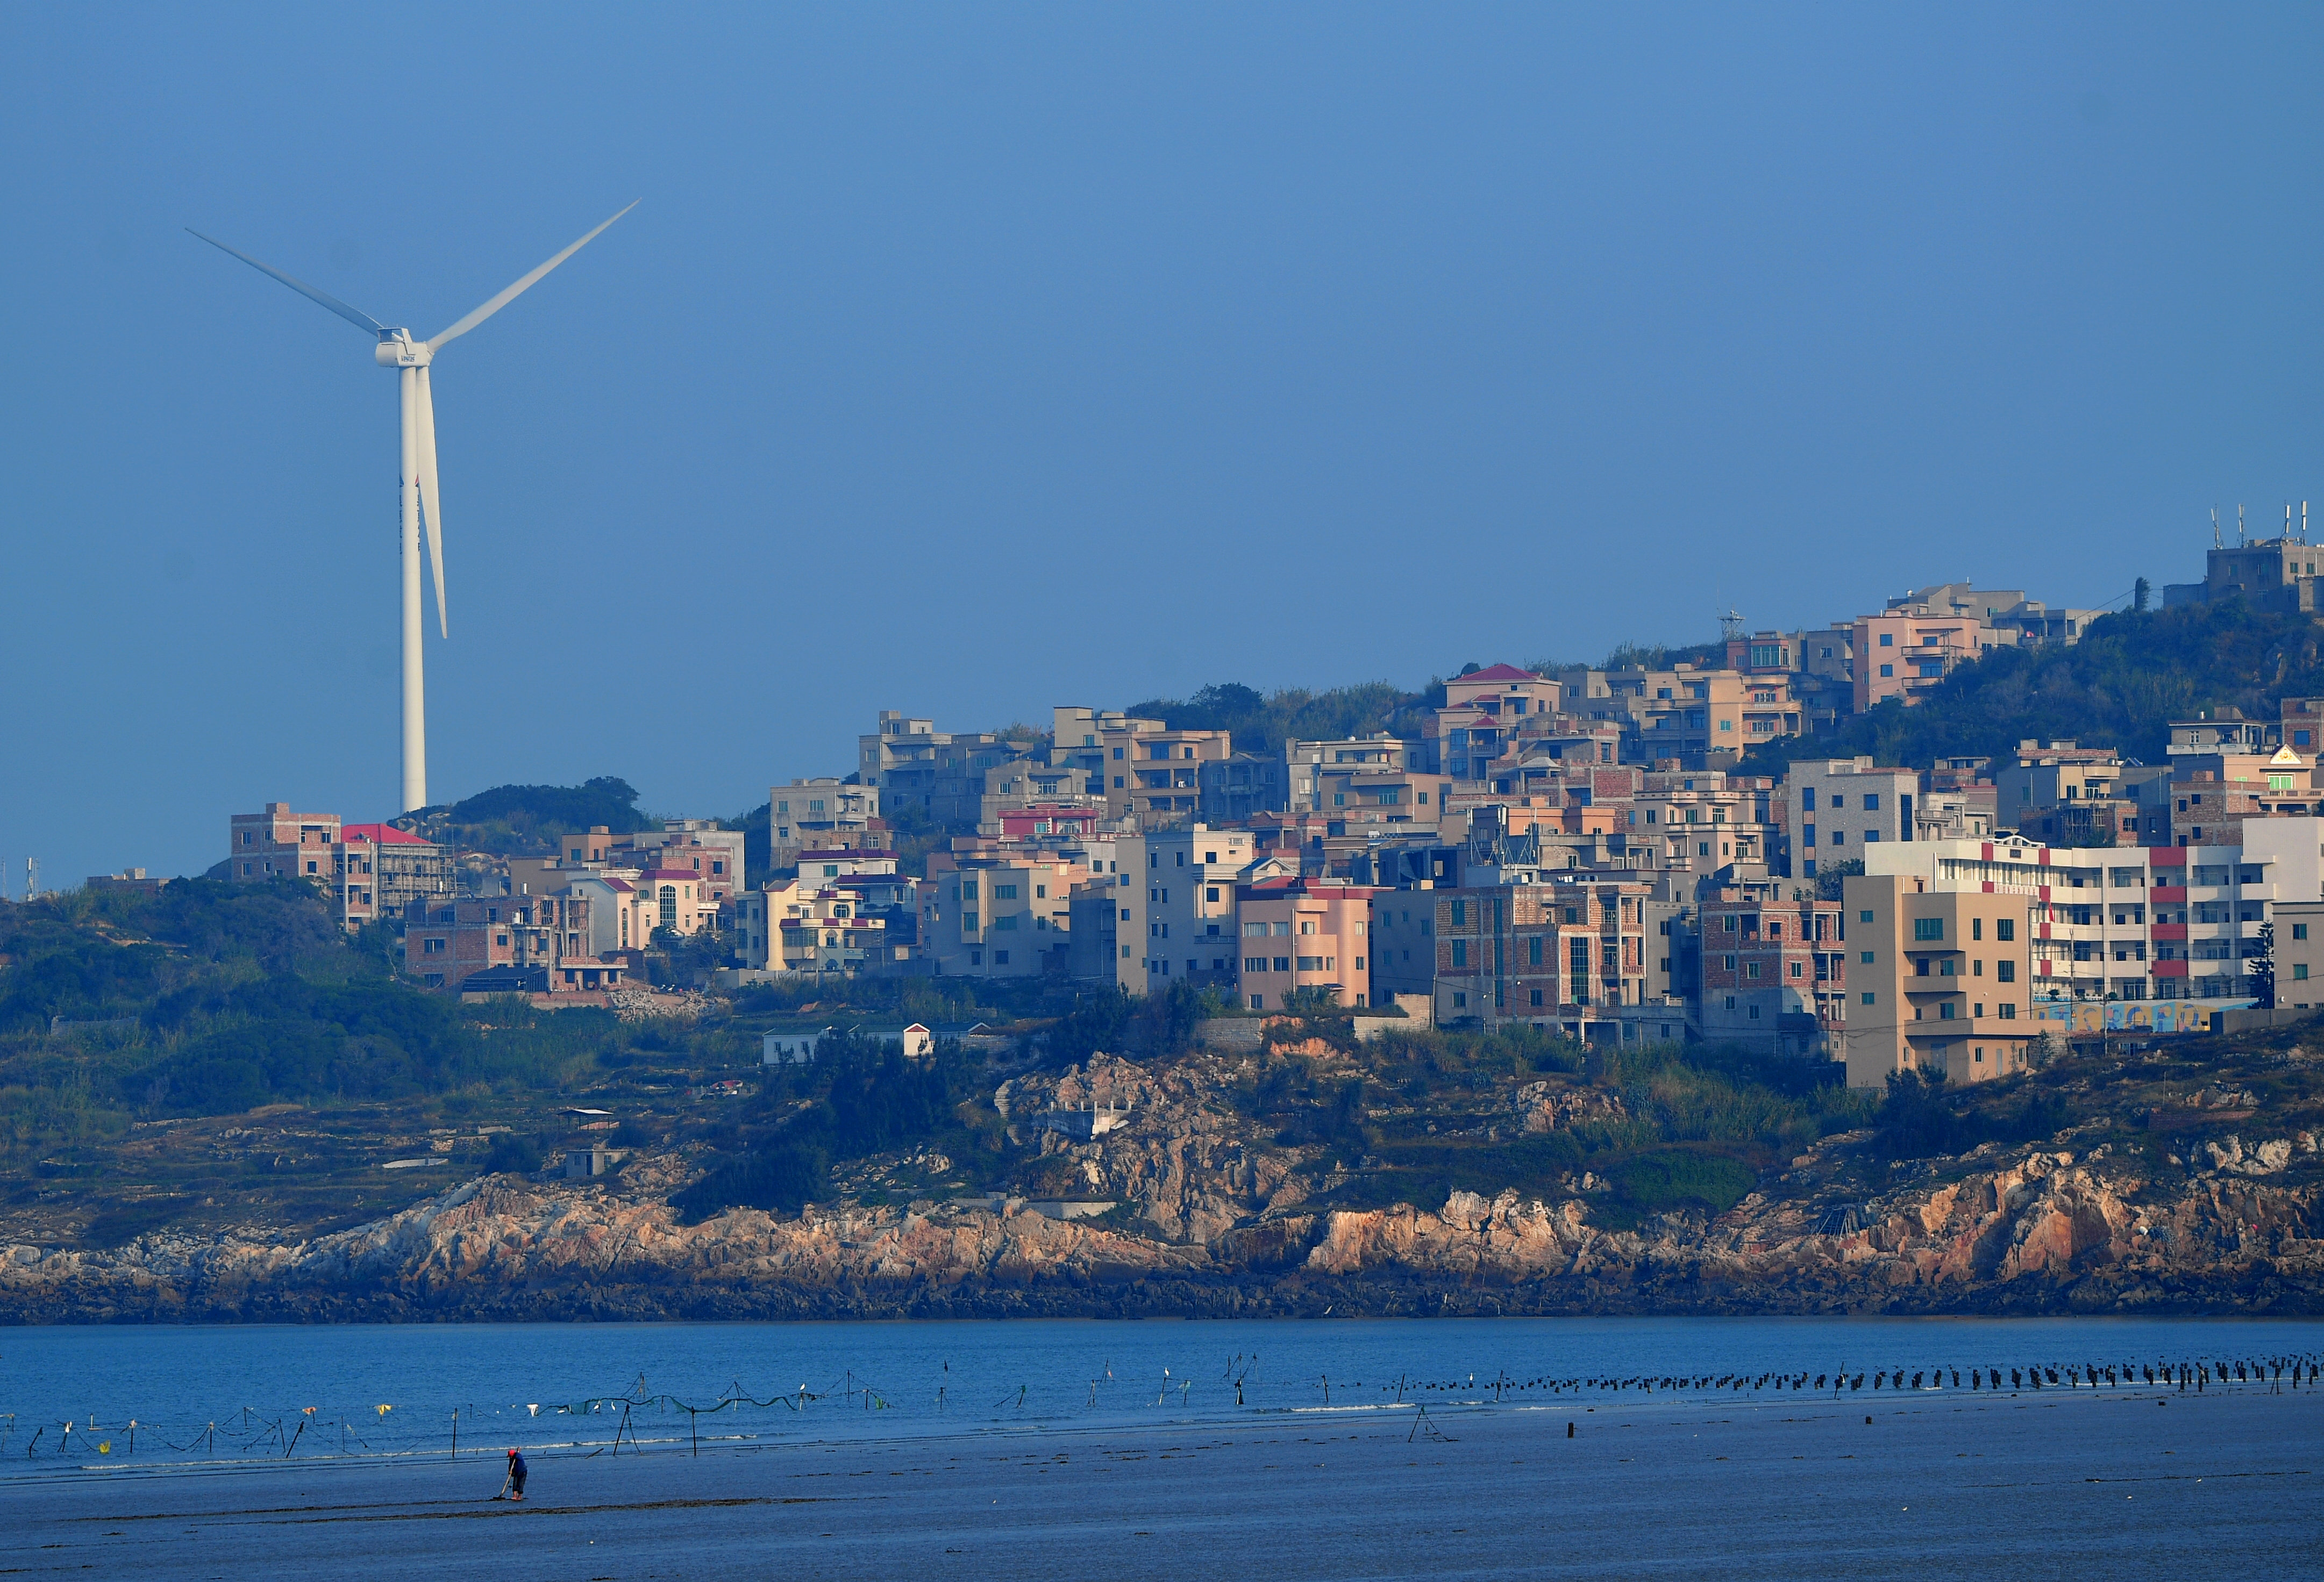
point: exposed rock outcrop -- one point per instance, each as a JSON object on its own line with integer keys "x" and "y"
{"x": 2042, "y": 1231}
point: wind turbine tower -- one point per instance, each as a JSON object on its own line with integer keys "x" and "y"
{"x": 411, "y": 358}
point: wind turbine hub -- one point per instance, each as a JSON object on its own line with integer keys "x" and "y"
{"x": 397, "y": 349}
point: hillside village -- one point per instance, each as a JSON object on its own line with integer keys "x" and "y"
{"x": 1643, "y": 985}
{"x": 1591, "y": 852}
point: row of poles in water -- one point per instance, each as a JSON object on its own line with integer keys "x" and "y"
{"x": 259, "y": 1435}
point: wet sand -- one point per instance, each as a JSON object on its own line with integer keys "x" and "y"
{"x": 2014, "y": 1487}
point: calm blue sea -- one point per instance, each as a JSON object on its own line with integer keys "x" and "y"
{"x": 1365, "y": 1450}
{"x": 72, "y": 1398}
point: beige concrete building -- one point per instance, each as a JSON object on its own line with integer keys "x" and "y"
{"x": 820, "y": 814}
{"x": 1176, "y": 907}
{"x": 1906, "y": 649}
{"x": 2299, "y": 954}
{"x": 1312, "y": 764}
{"x": 1836, "y": 807}
{"x": 996, "y": 913}
{"x": 1153, "y": 774}
{"x": 1940, "y": 977}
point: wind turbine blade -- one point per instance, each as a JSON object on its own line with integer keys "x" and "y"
{"x": 511, "y": 295}
{"x": 354, "y": 316}
{"x": 428, "y": 497}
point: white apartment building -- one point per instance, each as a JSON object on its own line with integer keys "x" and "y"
{"x": 1176, "y": 907}
{"x": 2132, "y": 922}
{"x": 1839, "y": 808}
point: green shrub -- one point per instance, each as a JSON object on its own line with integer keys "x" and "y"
{"x": 784, "y": 1178}
{"x": 1677, "y": 1178}
{"x": 512, "y": 1154}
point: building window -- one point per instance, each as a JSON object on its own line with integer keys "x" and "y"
{"x": 1868, "y": 999}
{"x": 1926, "y": 927}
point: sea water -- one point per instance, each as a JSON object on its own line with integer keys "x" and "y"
{"x": 1230, "y": 1449}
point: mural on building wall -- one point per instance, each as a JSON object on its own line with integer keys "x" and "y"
{"x": 2136, "y": 1016}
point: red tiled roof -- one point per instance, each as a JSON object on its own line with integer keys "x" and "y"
{"x": 380, "y": 835}
{"x": 684, "y": 873}
{"x": 1497, "y": 673}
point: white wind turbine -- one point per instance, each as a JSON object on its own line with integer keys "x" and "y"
{"x": 398, "y": 350}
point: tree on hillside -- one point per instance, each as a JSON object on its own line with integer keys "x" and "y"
{"x": 1262, "y": 723}
{"x": 2120, "y": 686}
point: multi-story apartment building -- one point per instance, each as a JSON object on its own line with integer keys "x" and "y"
{"x": 448, "y": 942}
{"x": 621, "y": 917}
{"x": 1546, "y": 951}
{"x": 279, "y": 843}
{"x": 2300, "y": 724}
{"x": 1031, "y": 781}
{"x": 1910, "y": 648}
{"x": 1774, "y": 969}
{"x": 1837, "y": 808}
{"x": 941, "y": 771}
{"x": 678, "y": 900}
{"x": 378, "y": 873}
{"x": 1301, "y": 934}
{"x": 1095, "y": 930}
{"x": 714, "y": 856}
{"x": 1381, "y": 751}
{"x": 1941, "y": 981}
{"x": 373, "y": 872}
{"x": 997, "y": 914}
{"x": 2299, "y": 954}
{"x": 1155, "y": 775}
{"x": 1705, "y": 819}
{"x": 2004, "y": 610}
{"x": 1817, "y": 667}
{"x": 2045, "y": 776}
{"x": 2230, "y": 734}
{"x": 823, "y": 931}
{"x": 1235, "y": 788}
{"x": 1696, "y": 716}
{"x": 1309, "y": 765}
{"x": 820, "y": 812}
{"x": 1176, "y": 905}
{"x": 2132, "y": 922}
{"x": 1962, "y": 812}
{"x": 2274, "y": 574}
{"x": 1358, "y": 794}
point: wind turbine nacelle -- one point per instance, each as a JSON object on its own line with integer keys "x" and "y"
{"x": 397, "y": 349}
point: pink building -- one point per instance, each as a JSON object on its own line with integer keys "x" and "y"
{"x": 1304, "y": 933}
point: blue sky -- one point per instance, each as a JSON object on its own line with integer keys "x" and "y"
{"x": 973, "y": 359}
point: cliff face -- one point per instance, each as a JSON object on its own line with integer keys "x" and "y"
{"x": 2023, "y": 1230}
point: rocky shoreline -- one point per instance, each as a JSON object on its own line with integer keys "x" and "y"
{"x": 2043, "y": 1233}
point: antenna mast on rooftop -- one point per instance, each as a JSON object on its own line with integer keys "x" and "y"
{"x": 2214, "y": 527}
{"x": 1730, "y": 625}
{"x": 2239, "y": 526}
